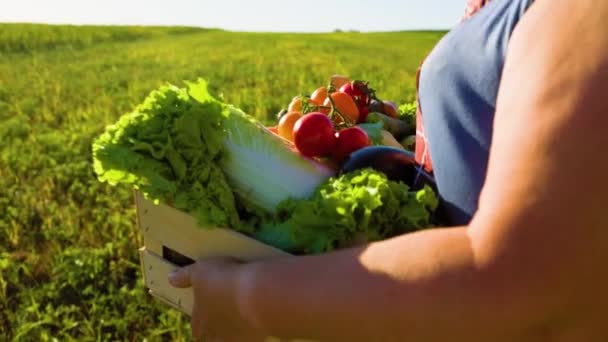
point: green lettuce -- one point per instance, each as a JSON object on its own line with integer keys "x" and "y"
{"x": 363, "y": 205}
{"x": 169, "y": 148}
{"x": 408, "y": 113}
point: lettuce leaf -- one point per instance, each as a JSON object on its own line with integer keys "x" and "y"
{"x": 408, "y": 112}
{"x": 362, "y": 205}
{"x": 169, "y": 148}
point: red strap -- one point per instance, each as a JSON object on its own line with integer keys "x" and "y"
{"x": 421, "y": 153}
{"x": 473, "y": 6}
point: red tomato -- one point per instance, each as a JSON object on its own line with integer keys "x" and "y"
{"x": 313, "y": 135}
{"x": 357, "y": 90}
{"x": 348, "y": 141}
{"x": 363, "y": 111}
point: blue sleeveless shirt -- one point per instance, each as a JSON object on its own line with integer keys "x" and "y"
{"x": 458, "y": 86}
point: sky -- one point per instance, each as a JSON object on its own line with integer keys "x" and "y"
{"x": 243, "y": 15}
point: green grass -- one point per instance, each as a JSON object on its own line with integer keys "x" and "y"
{"x": 69, "y": 268}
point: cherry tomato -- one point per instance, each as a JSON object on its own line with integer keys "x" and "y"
{"x": 313, "y": 135}
{"x": 348, "y": 141}
{"x": 363, "y": 111}
{"x": 355, "y": 93}
{"x": 358, "y": 90}
{"x": 337, "y": 81}
{"x": 285, "y": 128}
{"x": 345, "y": 104}
{"x": 318, "y": 96}
{"x": 295, "y": 105}
{"x": 390, "y": 108}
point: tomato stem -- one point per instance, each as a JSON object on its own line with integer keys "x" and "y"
{"x": 334, "y": 110}
{"x": 306, "y": 104}
{"x": 330, "y": 88}
{"x": 363, "y": 86}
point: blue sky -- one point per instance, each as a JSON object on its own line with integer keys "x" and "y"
{"x": 243, "y": 15}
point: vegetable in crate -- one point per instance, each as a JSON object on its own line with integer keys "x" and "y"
{"x": 185, "y": 148}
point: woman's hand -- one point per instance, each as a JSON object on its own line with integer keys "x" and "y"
{"x": 215, "y": 315}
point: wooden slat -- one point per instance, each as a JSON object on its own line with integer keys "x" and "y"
{"x": 156, "y": 270}
{"x": 180, "y": 232}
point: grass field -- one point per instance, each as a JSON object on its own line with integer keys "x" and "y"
{"x": 68, "y": 263}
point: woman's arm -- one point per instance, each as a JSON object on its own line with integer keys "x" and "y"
{"x": 400, "y": 287}
{"x": 534, "y": 251}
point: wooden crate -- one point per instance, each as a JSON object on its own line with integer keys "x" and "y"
{"x": 172, "y": 239}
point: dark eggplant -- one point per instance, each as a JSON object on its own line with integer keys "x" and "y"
{"x": 396, "y": 164}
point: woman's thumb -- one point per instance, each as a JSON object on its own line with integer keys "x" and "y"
{"x": 181, "y": 277}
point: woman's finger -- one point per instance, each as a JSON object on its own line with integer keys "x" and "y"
{"x": 181, "y": 277}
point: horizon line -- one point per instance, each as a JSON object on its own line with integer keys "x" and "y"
{"x": 336, "y": 30}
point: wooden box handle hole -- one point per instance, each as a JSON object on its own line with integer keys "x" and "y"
{"x": 176, "y": 258}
